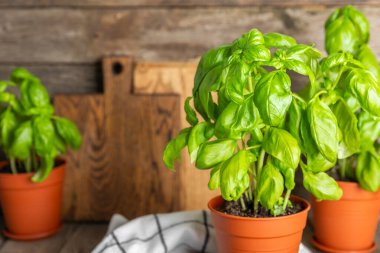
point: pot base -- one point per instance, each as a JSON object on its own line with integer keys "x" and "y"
{"x": 31, "y": 237}
{"x": 325, "y": 248}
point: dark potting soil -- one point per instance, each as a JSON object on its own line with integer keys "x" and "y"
{"x": 234, "y": 208}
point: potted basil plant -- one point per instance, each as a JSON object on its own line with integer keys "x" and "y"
{"x": 244, "y": 128}
{"x": 32, "y": 137}
{"x": 349, "y": 81}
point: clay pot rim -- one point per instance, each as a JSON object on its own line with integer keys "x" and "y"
{"x": 28, "y": 174}
{"x": 229, "y": 216}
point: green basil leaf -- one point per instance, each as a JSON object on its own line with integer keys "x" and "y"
{"x": 214, "y": 182}
{"x": 18, "y": 75}
{"x": 257, "y": 53}
{"x": 321, "y": 185}
{"x": 316, "y": 162}
{"x": 236, "y": 81}
{"x": 282, "y": 145}
{"x": 255, "y": 139}
{"x": 348, "y": 125}
{"x": 22, "y": 141}
{"x": 334, "y": 61}
{"x": 234, "y": 178}
{"x": 198, "y": 135}
{"x": 237, "y": 119}
{"x": 8, "y": 123}
{"x": 252, "y": 38}
{"x": 270, "y": 186}
{"x": 369, "y": 60}
{"x": 191, "y": 116}
{"x": 300, "y": 68}
{"x": 272, "y": 97}
{"x": 293, "y": 124}
{"x": 38, "y": 94}
{"x": 278, "y": 40}
{"x": 368, "y": 171}
{"x": 342, "y": 35}
{"x": 324, "y": 128}
{"x": 173, "y": 149}
{"x": 43, "y": 135}
{"x": 365, "y": 89}
{"x": 214, "y": 152}
{"x": 369, "y": 128}
{"x": 46, "y": 166}
{"x": 287, "y": 172}
{"x": 69, "y": 132}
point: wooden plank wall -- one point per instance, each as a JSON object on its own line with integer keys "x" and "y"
{"x": 64, "y": 40}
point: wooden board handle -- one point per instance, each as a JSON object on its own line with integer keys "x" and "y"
{"x": 117, "y": 71}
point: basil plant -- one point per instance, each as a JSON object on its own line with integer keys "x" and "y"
{"x": 30, "y": 134}
{"x": 349, "y": 82}
{"x": 250, "y": 129}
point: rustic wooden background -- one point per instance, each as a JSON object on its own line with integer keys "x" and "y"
{"x": 63, "y": 41}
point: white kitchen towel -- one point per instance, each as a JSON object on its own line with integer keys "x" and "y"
{"x": 179, "y": 232}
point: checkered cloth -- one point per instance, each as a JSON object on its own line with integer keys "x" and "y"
{"x": 180, "y": 232}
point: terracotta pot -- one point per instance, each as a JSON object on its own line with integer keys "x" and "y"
{"x": 31, "y": 210}
{"x": 348, "y": 224}
{"x": 236, "y": 234}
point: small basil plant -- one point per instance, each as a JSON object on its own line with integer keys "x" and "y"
{"x": 245, "y": 122}
{"x": 30, "y": 134}
{"x": 348, "y": 81}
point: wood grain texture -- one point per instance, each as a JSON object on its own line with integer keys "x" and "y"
{"x": 119, "y": 168}
{"x": 59, "y": 35}
{"x": 170, "y": 3}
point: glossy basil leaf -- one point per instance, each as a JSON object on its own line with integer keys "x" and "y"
{"x": 282, "y": 145}
{"x": 38, "y": 93}
{"x": 369, "y": 60}
{"x": 213, "y": 152}
{"x": 300, "y": 68}
{"x": 321, "y": 185}
{"x": 258, "y": 53}
{"x": 255, "y": 139}
{"x": 348, "y": 125}
{"x": 191, "y": 116}
{"x": 69, "y": 132}
{"x": 211, "y": 82}
{"x": 24, "y": 95}
{"x": 346, "y": 30}
{"x": 22, "y": 141}
{"x": 316, "y": 162}
{"x": 368, "y": 171}
{"x": 278, "y": 40}
{"x": 198, "y": 135}
{"x": 287, "y": 172}
{"x": 18, "y": 75}
{"x": 211, "y": 59}
{"x": 369, "y": 128}
{"x": 59, "y": 144}
{"x": 293, "y": 123}
{"x": 303, "y": 53}
{"x": 173, "y": 149}
{"x": 252, "y": 38}
{"x": 8, "y": 123}
{"x": 272, "y": 97}
{"x": 363, "y": 86}
{"x": 234, "y": 178}
{"x": 335, "y": 60}
{"x": 43, "y": 135}
{"x": 324, "y": 128}
{"x": 270, "y": 186}
{"x": 236, "y": 81}
{"x": 46, "y": 166}
{"x": 214, "y": 182}
{"x": 237, "y": 119}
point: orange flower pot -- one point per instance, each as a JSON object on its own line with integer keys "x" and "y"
{"x": 349, "y": 224}
{"x": 240, "y": 234}
{"x": 31, "y": 210}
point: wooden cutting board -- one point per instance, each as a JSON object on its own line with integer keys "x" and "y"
{"x": 119, "y": 167}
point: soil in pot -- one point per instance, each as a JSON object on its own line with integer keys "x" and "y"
{"x": 235, "y": 208}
